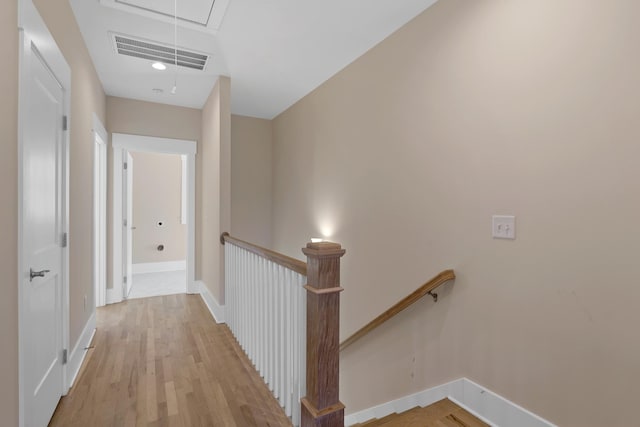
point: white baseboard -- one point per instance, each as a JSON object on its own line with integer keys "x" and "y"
{"x": 77, "y": 355}
{"x": 217, "y": 310}
{"x": 158, "y": 267}
{"x": 495, "y": 409}
{"x": 483, "y": 403}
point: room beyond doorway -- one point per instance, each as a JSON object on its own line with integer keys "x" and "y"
{"x": 123, "y": 250}
{"x": 158, "y": 224}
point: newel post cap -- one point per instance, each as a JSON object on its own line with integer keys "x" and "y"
{"x": 323, "y": 250}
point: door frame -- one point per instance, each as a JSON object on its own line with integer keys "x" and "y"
{"x": 100, "y": 187}
{"x": 128, "y": 247}
{"x": 32, "y": 29}
{"x": 125, "y": 142}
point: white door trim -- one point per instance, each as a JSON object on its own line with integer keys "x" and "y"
{"x": 128, "y": 247}
{"x": 32, "y": 29}
{"x": 100, "y": 138}
{"x": 125, "y": 142}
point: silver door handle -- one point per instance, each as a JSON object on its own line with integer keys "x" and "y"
{"x": 33, "y": 274}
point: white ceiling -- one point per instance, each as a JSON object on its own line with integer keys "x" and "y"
{"x": 275, "y": 51}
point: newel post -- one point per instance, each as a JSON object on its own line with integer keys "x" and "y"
{"x": 322, "y": 407}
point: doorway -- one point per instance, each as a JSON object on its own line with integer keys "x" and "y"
{"x": 123, "y": 146}
{"x": 158, "y": 234}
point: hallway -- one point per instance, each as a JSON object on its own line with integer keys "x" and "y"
{"x": 164, "y": 361}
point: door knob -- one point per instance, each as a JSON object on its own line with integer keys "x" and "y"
{"x": 33, "y": 274}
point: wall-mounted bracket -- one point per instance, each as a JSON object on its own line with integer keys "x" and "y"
{"x": 433, "y": 295}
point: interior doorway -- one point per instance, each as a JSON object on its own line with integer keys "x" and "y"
{"x": 124, "y": 146}
{"x": 156, "y": 206}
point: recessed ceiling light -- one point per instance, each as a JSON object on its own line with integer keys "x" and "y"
{"x": 159, "y": 66}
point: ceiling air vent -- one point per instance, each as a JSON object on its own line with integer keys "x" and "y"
{"x": 157, "y": 52}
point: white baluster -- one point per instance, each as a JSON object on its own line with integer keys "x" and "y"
{"x": 266, "y": 305}
{"x": 271, "y": 327}
{"x": 283, "y": 342}
{"x": 295, "y": 406}
{"x": 259, "y": 355}
{"x": 252, "y": 309}
{"x": 289, "y": 372}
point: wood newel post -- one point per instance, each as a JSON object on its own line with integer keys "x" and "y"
{"x": 322, "y": 407}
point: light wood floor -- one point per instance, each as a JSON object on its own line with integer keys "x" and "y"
{"x": 163, "y": 361}
{"x": 443, "y": 413}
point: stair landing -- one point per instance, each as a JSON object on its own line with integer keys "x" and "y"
{"x": 443, "y": 413}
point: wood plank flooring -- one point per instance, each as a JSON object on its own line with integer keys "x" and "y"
{"x": 443, "y": 413}
{"x": 163, "y": 361}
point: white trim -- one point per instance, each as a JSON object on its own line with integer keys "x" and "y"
{"x": 159, "y": 267}
{"x": 184, "y": 193}
{"x": 116, "y": 292}
{"x": 501, "y": 411}
{"x": 122, "y": 143}
{"x": 100, "y": 139}
{"x": 481, "y": 402}
{"x": 98, "y": 128}
{"x": 191, "y": 224}
{"x": 153, "y": 144}
{"x": 32, "y": 29}
{"x": 79, "y": 352}
{"x": 128, "y": 231}
{"x": 217, "y": 310}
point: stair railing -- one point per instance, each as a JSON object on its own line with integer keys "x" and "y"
{"x": 285, "y": 315}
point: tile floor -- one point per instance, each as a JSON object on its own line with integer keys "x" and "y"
{"x": 154, "y": 284}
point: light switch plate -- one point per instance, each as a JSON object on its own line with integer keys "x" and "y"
{"x": 503, "y": 226}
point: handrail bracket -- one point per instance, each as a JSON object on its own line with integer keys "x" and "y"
{"x": 433, "y": 295}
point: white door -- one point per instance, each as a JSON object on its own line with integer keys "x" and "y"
{"x": 42, "y": 282}
{"x": 127, "y": 237}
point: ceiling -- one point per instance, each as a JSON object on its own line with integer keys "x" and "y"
{"x": 274, "y": 51}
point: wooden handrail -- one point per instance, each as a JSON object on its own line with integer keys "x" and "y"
{"x": 423, "y": 290}
{"x": 283, "y": 260}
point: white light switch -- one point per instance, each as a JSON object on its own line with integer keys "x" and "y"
{"x": 504, "y": 227}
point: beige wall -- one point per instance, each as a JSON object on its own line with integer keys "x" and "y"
{"x": 213, "y": 200}
{"x": 478, "y": 108}
{"x": 150, "y": 119}
{"x": 87, "y": 98}
{"x": 8, "y": 212}
{"x": 251, "y": 160}
{"x": 157, "y": 196}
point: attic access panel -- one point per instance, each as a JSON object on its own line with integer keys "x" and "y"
{"x": 196, "y": 11}
{"x": 200, "y": 15}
